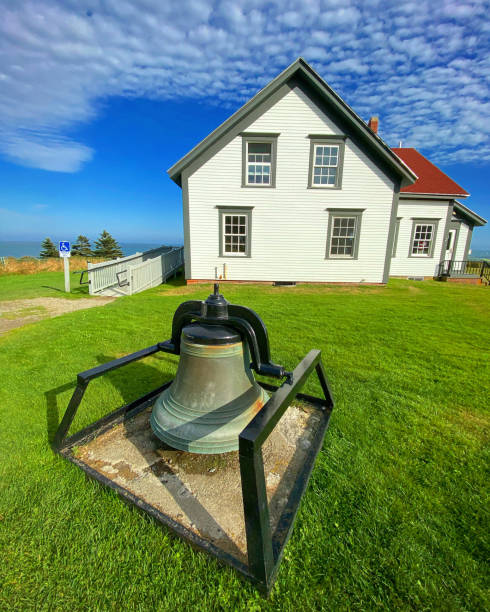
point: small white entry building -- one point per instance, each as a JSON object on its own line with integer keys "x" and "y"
{"x": 296, "y": 187}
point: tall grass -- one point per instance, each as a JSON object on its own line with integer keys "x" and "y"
{"x": 31, "y": 265}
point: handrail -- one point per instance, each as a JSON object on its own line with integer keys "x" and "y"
{"x": 463, "y": 267}
{"x": 124, "y": 282}
{"x": 82, "y": 272}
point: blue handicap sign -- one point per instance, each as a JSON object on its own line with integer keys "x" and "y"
{"x": 64, "y": 246}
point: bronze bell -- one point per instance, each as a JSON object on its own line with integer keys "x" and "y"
{"x": 214, "y": 394}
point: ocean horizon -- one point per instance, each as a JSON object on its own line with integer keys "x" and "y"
{"x": 32, "y": 248}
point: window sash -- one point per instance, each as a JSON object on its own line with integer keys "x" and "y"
{"x": 235, "y": 234}
{"x": 325, "y": 165}
{"x": 259, "y": 163}
{"x": 343, "y": 237}
{"x": 422, "y": 240}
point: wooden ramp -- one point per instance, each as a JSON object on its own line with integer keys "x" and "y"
{"x": 135, "y": 273}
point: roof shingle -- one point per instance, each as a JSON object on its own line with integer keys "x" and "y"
{"x": 431, "y": 179}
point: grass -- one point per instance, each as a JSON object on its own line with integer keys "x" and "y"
{"x": 41, "y": 284}
{"x": 395, "y": 516}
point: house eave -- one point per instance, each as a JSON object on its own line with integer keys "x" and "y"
{"x": 468, "y": 214}
{"x": 431, "y": 196}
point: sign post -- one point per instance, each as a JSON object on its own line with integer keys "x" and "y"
{"x": 65, "y": 252}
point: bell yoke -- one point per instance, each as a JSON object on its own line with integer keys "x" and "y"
{"x": 214, "y": 395}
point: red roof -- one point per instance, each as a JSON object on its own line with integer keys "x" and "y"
{"x": 431, "y": 179}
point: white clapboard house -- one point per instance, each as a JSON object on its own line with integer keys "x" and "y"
{"x": 295, "y": 186}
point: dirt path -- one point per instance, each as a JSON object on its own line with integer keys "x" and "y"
{"x": 16, "y": 313}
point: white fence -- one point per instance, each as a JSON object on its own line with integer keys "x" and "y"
{"x": 136, "y": 272}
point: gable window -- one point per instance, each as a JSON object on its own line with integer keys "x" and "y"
{"x": 423, "y": 237}
{"x": 325, "y": 165}
{"x": 259, "y": 160}
{"x": 343, "y": 232}
{"x": 235, "y": 231}
{"x": 326, "y": 161}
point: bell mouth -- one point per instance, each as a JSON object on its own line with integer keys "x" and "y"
{"x": 200, "y": 433}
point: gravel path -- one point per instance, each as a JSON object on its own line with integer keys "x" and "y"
{"x": 15, "y": 313}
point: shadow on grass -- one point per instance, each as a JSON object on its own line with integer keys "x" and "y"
{"x": 132, "y": 381}
{"x": 137, "y": 378}
{"x": 176, "y": 281}
{"x": 52, "y": 411}
{"x": 74, "y": 291}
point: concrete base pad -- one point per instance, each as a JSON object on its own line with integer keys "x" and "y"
{"x": 202, "y": 492}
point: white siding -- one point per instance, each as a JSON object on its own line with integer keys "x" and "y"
{"x": 289, "y": 223}
{"x": 462, "y": 237}
{"x": 403, "y": 264}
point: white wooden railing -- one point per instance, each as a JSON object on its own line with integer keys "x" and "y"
{"x": 150, "y": 269}
{"x": 154, "y": 271}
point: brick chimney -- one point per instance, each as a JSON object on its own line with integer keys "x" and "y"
{"x": 373, "y": 123}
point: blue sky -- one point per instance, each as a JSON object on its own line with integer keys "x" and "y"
{"x": 98, "y": 99}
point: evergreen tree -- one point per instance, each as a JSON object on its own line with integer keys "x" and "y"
{"x": 82, "y": 247}
{"x": 48, "y": 249}
{"x": 107, "y": 247}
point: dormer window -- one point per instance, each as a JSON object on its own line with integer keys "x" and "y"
{"x": 259, "y": 160}
{"x": 326, "y": 161}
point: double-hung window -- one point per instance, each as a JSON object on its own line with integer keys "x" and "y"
{"x": 259, "y": 160}
{"x": 325, "y": 165}
{"x": 235, "y": 231}
{"x": 259, "y": 163}
{"x": 423, "y": 237}
{"x": 326, "y": 161}
{"x": 343, "y": 233}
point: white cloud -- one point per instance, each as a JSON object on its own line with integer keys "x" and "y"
{"x": 423, "y": 70}
{"x": 47, "y": 153}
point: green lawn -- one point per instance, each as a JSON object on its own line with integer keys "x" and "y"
{"x": 42, "y": 284}
{"x": 396, "y": 513}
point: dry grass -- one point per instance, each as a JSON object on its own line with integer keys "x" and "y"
{"x": 31, "y": 265}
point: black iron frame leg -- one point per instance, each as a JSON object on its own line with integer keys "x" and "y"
{"x": 263, "y": 562}
{"x": 327, "y": 392}
{"x": 257, "y": 522}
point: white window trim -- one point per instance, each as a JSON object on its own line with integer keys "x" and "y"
{"x": 262, "y": 163}
{"x": 234, "y": 253}
{"x": 324, "y": 185}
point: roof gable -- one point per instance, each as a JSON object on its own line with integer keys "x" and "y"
{"x": 431, "y": 180}
{"x": 298, "y": 71}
